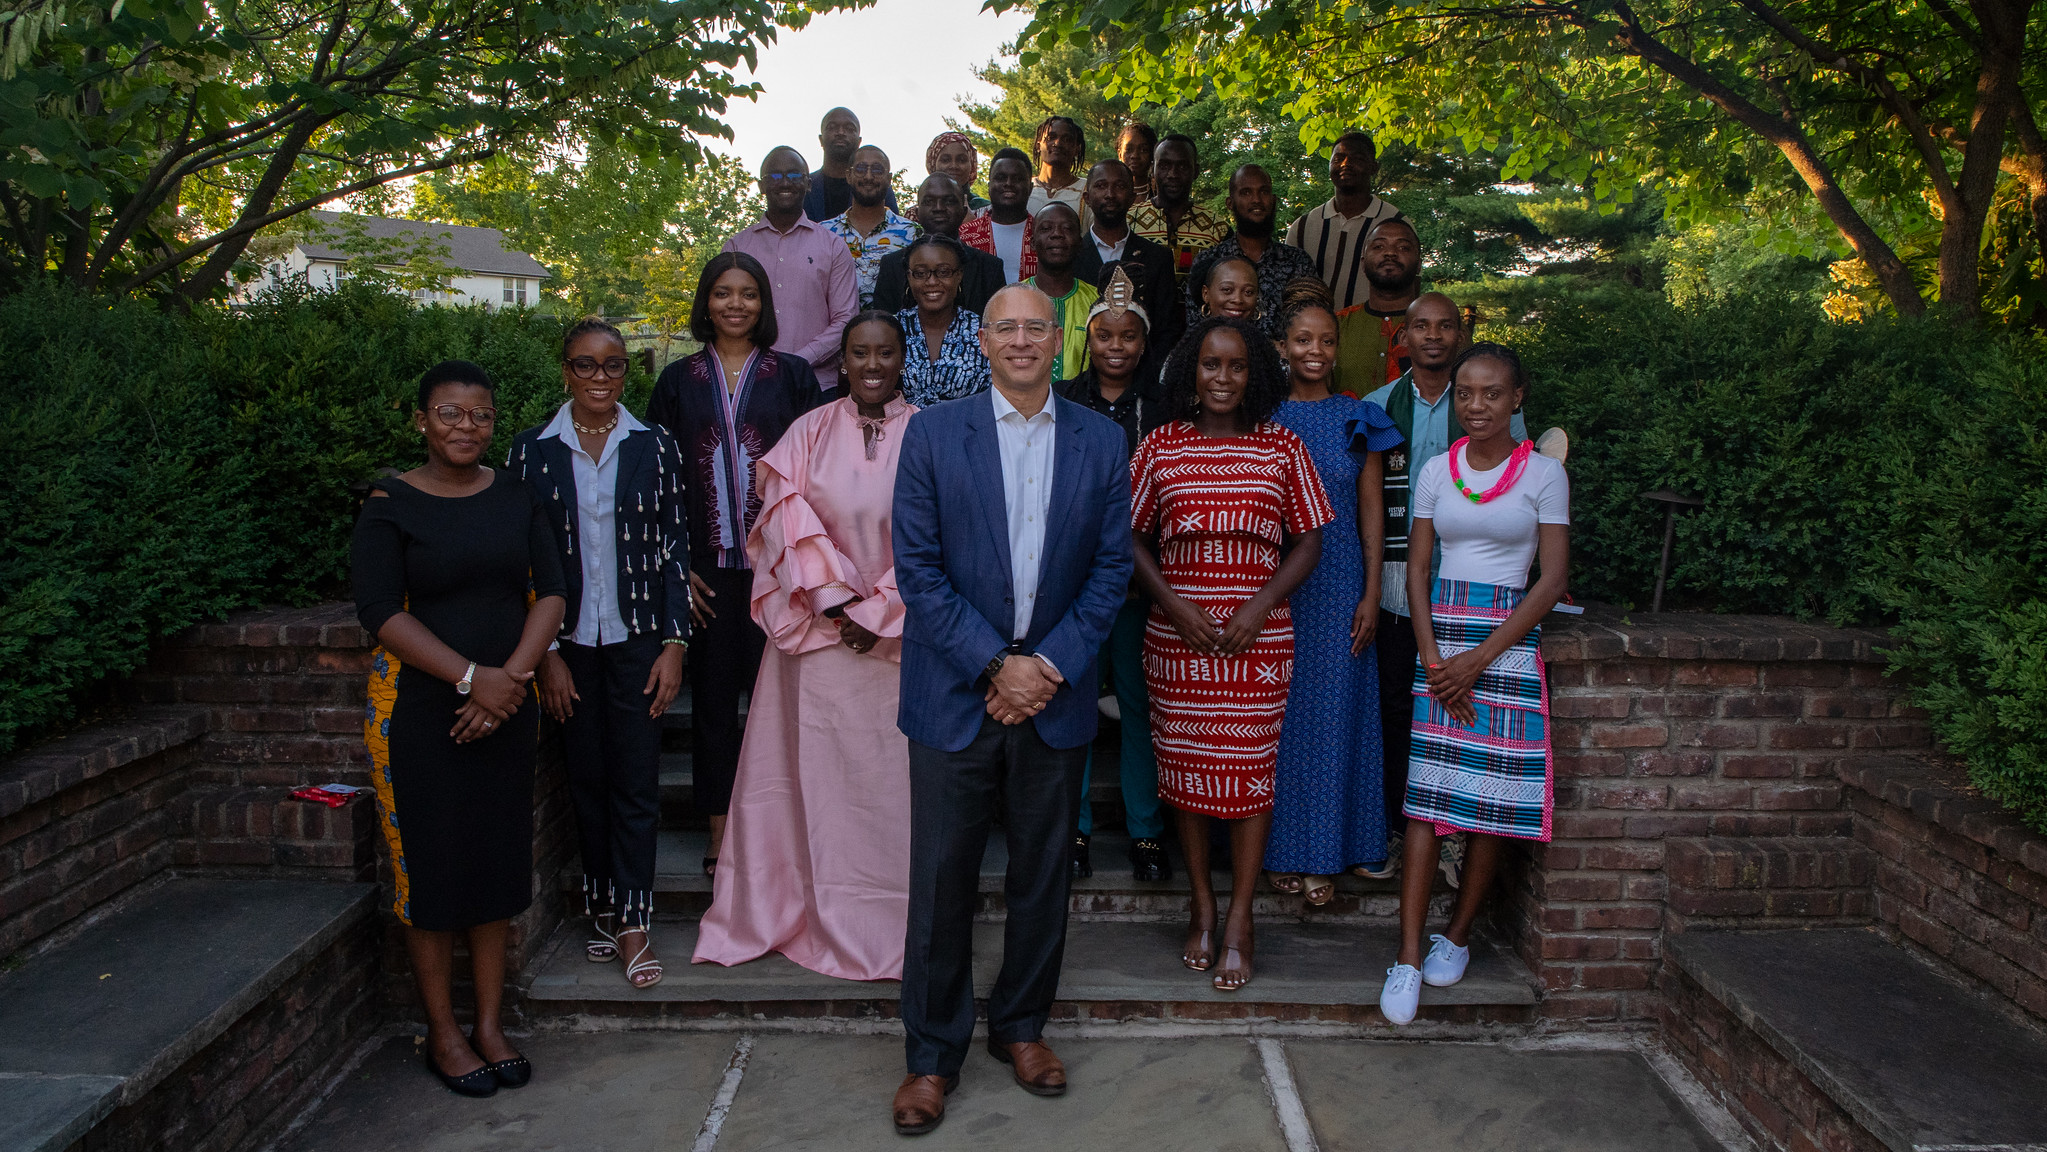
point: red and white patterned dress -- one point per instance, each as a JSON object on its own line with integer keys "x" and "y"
{"x": 1221, "y": 508}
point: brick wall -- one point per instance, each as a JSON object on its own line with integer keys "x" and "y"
{"x": 1689, "y": 728}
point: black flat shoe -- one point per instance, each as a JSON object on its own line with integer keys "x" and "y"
{"x": 479, "y": 1083}
{"x": 513, "y": 1073}
{"x": 1082, "y": 868}
{"x": 1148, "y": 860}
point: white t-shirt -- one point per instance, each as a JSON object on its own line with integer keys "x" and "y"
{"x": 1493, "y": 542}
{"x": 1009, "y": 246}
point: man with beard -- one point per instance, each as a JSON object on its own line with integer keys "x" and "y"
{"x": 1134, "y": 146}
{"x": 1368, "y": 349}
{"x": 1252, "y": 207}
{"x": 815, "y": 288}
{"x": 870, "y": 228}
{"x": 1331, "y": 232}
{"x": 830, "y": 190}
{"x": 1109, "y": 197}
{"x": 1170, "y": 216}
{"x": 941, "y": 208}
{"x": 1003, "y": 228}
{"x": 1057, "y": 236}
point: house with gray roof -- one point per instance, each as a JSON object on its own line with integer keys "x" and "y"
{"x": 487, "y": 270}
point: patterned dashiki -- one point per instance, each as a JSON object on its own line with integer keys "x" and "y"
{"x": 867, "y": 249}
{"x": 1221, "y": 508}
{"x": 1329, "y": 808}
{"x": 960, "y": 370}
{"x": 978, "y": 232}
{"x": 1495, "y": 777}
{"x": 1071, "y": 310}
{"x": 1199, "y": 229}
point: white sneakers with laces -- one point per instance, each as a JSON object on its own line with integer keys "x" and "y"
{"x": 1445, "y": 963}
{"x": 1402, "y": 994}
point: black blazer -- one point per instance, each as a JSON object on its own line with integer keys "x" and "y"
{"x": 980, "y": 278}
{"x": 1160, "y": 292}
{"x": 653, "y": 546}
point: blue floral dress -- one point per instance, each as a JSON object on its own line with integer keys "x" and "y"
{"x": 960, "y": 370}
{"x": 1327, "y": 811}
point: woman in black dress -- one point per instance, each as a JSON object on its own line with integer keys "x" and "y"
{"x": 444, "y": 558}
{"x": 726, "y": 407}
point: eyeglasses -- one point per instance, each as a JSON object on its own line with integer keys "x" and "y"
{"x": 483, "y": 415}
{"x": 784, "y": 177}
{"x": 870, "y": 169}
{"x": 933, "y": 275}
{"x": 1037, "y": 331}
{"x": 587, "y": 368}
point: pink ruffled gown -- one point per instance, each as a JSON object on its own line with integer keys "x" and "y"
{"x": 816, "y": 860}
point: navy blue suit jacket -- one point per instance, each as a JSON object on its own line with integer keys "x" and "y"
{"x": 951, "y": 535}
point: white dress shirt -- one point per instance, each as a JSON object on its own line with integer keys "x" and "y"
{"x": 1110, "y": 252}
{"x": 596, "y": 530}
{"x": 1026, "y": 447}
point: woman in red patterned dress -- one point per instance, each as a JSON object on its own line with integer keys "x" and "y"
{"x": 1228, "y": 512}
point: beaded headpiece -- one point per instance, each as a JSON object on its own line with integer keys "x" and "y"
{"x": 1118, "y": 296}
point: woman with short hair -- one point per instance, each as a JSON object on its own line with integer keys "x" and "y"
{"x": 1480, "y": 758}
{"x": 443, "y": 561}
{"x": 943, "y": 359}
{"x": 612, "y": 488}
{"x": 726, "y": 407}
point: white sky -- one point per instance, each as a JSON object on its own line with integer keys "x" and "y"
{"x": 901, "y": 66}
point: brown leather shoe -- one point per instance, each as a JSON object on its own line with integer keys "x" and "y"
{"x": 920, "y": 1103}
{"x": 1038, "y": 1071}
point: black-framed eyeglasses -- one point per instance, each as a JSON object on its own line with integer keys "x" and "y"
{"x": 587, "y": 368}
{"x": 870, "y": 169}
{"x": 483, "y": 415}
{"x": 933, "y": 275}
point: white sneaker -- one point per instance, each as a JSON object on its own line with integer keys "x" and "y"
{"x": 1402, "y": 993}
{"x": 1444, "y": 965}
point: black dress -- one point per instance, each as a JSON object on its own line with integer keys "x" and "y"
{"x": 458, "y": 817}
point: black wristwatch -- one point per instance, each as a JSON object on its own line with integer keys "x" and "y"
{"x": 989, "y": 669}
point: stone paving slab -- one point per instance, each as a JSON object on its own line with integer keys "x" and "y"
{"x": 1431, "y": 1097}
{"x": 832, "y": 1094}
{"x": 51, "y": 1113}
{"x": 1295, "y": 964}
{"x": 591, "y": 1092}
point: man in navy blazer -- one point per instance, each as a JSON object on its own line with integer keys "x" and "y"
{"x": 1013, "y": 552}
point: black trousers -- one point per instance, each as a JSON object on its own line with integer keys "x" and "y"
{"x": 1397, "y": 650}
{"x": 614, "y": 767}
{"x": 953, "y": 800}
{"x": 724, "y": 659}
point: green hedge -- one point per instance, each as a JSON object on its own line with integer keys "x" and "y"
{"x": 167, "y": 469}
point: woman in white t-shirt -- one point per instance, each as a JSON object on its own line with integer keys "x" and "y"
{"x": 1480, "y": 760}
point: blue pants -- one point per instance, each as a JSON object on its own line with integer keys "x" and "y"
{"x": 1123, "y": 658}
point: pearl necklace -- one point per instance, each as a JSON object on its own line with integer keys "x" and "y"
{"x": 595, "y": 431}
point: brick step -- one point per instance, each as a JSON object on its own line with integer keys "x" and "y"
{"x": 681, "y": 888}
{"x": 1761, "y": 881}
{"x": 1840, "y": 1039}
{"x": 1112, "y": 971}
{"x": 204, "y": 1013}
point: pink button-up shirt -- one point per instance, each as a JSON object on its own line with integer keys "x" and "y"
{"x": 811, "y": 272}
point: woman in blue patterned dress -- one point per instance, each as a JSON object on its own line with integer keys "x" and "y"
{"x": 942, "y": 359}
{"x": 1328, "y": 812}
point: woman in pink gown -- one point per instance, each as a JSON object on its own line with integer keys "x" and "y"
{"x": 816, "y": 863}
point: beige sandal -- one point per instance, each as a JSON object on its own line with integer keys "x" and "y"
{"x": 641, "y": 963}
{"x": 1326, "y": 885}
{"x": 1287, "y": 882}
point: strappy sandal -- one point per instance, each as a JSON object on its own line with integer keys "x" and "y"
{"x": 1326, "y": 885}
{"x": 602, "y": 946}
{"x": 641, "y": 964}
{"x": 1286, "y": 882}
{"x": 1222, "y": 980}
{"x": 1206, "y": 948}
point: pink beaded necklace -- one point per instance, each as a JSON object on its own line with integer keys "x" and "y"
{"x": 1517, "y": 463}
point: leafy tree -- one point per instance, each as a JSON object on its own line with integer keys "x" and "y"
{"x": 145, "y": 143}
{"x": 594, "y": 221}
{"x": 1893, "y": 119}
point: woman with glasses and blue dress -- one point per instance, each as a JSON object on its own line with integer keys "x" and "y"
{"x": 942, "y": 358}
{"x": 612, "y": 488}
{"x": 458, "y": 579}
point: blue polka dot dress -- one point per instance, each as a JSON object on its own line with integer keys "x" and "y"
{"x": 1327, "y": 811}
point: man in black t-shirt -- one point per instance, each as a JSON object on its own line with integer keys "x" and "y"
{"x": 830, "y": 191}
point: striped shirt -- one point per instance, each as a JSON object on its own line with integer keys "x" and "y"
{"x": 1333, "y": 239}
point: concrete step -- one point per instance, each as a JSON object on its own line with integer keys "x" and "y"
{"x": 1113, "y": 970}
{"x": 1893, "y": 1046}
{"x": 682, "y": 889}
{"x": 99, "y": 1021}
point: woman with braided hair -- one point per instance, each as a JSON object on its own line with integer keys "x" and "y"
{"x": 1228, "y": 513}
